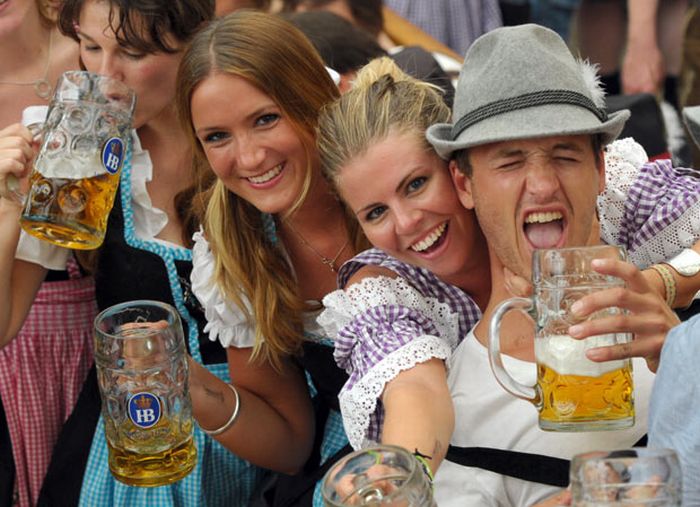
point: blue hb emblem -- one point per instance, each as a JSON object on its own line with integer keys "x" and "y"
{"x": 144, "y": 410}
{"x": 113, "y": 155}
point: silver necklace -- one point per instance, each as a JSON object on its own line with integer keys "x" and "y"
{"x": 42, "y": 86}
{"x": 325, "y": 260}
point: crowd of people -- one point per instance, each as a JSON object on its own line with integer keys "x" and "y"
{"x": 335, "y": 246}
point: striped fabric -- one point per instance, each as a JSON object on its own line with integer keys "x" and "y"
{"x": 41, "y": 373}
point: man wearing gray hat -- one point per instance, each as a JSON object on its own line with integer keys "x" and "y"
{"x": 526, "y": 153}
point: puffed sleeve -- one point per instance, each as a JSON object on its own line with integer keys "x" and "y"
{"x": 381, "y": 327}
{"x": 225, "y": 321}
{"x": 651, "y": 208}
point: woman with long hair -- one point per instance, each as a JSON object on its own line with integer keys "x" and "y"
{"x": 250, "y": 87}
{"x": 147, "y": 249}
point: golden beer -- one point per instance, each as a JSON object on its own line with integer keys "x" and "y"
{"x": 142, "y": 372}
{"x": 578, "y": 394}
{"x": 162, "y": 455}
{"x": 67, "y": 212}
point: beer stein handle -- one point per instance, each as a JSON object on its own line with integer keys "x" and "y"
{"x": 12, "y": 182}
{"x": 528, "y": 393}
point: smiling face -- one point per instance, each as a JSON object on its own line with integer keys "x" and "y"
{"x": 249, "y": 142}
{"x": 405, "y": 202}
{"x": 151, "y": 76}
{"x": 536, "y": 193}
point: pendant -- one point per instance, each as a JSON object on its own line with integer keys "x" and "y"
{"x": 328, "y": 262}
{"x": 42, "y": 88}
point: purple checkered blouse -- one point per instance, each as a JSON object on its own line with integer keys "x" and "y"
{"x": 384, "y": 325}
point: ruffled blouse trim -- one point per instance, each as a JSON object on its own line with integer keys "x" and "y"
{"x": 341, "y": 307}
{"x": 358, "y": 403}
{"x": 225, "y": 321}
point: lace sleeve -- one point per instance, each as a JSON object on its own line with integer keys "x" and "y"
{"x": 382, "y": 326}
{"x": 651, "y": 208}
{"x": 225, "y": 321}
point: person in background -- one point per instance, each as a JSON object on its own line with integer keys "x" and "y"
{"x": 345, "y": 48}
{"x": 454, "y": 23}
{"x": 273, "y": 236}
{"x": 42, "y": 366}
{"x": 146, "y": 253}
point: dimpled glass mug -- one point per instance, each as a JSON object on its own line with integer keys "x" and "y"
{"x": 639, "y": 477}
{"x": 384, "y": 475}
{"x": 143, "y": 377}
{"x": 572, "y": 392}
{"x": 75, "y": 175}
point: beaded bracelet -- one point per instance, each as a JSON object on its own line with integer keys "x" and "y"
{"x": 669, "y": 282}
{"x": 231, "y": 419}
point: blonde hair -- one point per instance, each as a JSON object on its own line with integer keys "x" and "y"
{"x": 383, "y": 99}
{"x": 275, "y": 57}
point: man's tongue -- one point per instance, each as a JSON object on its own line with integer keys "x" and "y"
{"x": 545, "y": 235}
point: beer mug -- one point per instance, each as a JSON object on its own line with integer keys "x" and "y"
{"x": 142, "y": 373}
{"x": 572, "y": 392}
{"x": 642, "y": 477}
{"x": 75, "y": 175}
{"x": 384, "y": 475}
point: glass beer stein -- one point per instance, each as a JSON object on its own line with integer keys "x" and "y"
{"x": 572, "y": 392}
{"x": 640, "y": 477}
{"x": 75, "y": 175}
{"x": 385, "y": 475}
{"x": 143, "y": 377}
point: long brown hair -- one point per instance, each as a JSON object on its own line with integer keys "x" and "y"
{"x": 275, "y": 57}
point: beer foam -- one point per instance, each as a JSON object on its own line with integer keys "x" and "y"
{"x": 74, "y": 167}
{"x": 567, "y": 356}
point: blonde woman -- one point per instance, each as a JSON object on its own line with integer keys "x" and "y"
{"x": 250, "y": 87}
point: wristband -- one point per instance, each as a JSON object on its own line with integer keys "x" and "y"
{"x": 669, "y": 282}
{"x": 231, "y": 419}
{"x": 422, "y": 460}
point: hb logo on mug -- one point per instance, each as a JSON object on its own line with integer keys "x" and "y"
{"x": 144, "y": 410}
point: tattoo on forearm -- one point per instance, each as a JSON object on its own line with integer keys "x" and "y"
{"x": 218, "y": 395}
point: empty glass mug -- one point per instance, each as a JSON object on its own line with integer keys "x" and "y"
{"x": 572, "y": 392}
{"x": 75, "y": 175}
{"x": 384, "y": 475}
{"x": 143, "y": 377}
{"x": 642, "y": 477}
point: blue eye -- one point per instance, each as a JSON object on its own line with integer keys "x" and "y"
{"x": 267, "y": 119}
{"x": 214, "y": 137}
{"x": 375, "y": 213}
{"x": 416, "y": 183}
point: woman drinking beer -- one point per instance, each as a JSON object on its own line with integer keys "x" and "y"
{"x": 146, "y": 254}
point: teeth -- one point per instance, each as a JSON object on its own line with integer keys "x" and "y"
{"x": 264, "y": 177}
{"x": 543, "y": 217}
{"x": 430, "y": 240}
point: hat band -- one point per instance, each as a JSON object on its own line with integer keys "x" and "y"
{"x": 541, "y": 98}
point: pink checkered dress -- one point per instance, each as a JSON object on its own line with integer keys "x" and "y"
{"x": 41, "y": 373}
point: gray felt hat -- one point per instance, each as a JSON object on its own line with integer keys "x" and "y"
{"x": 522, "y": 82}
{"x": 691, "y": 116}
